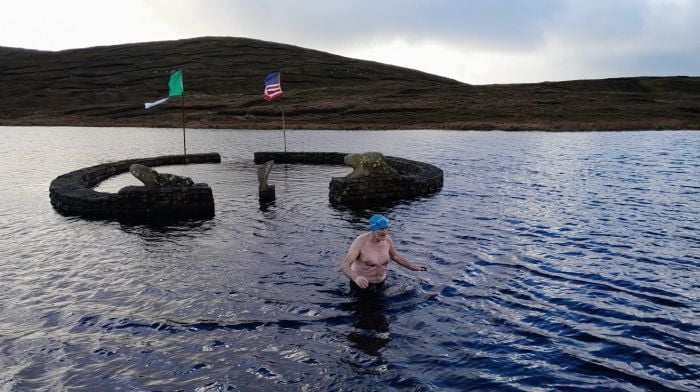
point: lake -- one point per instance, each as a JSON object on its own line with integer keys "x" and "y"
{"x": 557, "y": 261}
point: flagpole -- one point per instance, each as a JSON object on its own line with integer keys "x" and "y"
{"x": 184, "y": 139}
{"x": 284, "y": 132}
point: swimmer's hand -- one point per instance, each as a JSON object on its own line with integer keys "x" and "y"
{"x": 362, "y": 282}
{"x": 419, "y": 267}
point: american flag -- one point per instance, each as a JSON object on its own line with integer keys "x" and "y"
{"x": 273, "y": 88}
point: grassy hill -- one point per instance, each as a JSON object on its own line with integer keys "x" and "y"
{"x": 223, "y": 77}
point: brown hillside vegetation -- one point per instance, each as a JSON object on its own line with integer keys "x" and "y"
{"x": 223, "y": 77}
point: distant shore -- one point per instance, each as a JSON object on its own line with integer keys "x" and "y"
{"x": 107, "y": 87}
{"x": 508, "y": 128}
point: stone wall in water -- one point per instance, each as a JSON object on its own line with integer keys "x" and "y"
{"x": 310, "y": 158}
{"x": 415, "y": 178}
{"x": 72, "y": 193}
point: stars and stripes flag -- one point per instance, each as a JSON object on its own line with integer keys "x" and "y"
{"x": 273, "y": 87}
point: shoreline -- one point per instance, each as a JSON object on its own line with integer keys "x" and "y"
{"x": 369, "y": 129}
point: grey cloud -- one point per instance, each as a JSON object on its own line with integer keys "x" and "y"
{"x": 497, "y": 24}
{"x": 571, "y": 38}
{"x": 630, "y": 38}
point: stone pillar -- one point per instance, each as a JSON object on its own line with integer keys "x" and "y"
{"x": 266, "y": 192}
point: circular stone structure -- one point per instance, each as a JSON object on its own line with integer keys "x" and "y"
{"x": 72, "y": 193}
{"x": 414, "y": 178}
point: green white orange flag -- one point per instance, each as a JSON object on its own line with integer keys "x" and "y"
{"x": 175, "y": 84}
{"x": 177, "y": 88}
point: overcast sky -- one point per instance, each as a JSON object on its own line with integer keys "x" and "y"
{"x": 477, "y": 42}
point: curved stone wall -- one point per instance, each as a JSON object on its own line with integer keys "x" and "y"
{"x": 415, "y": 178}
{"x": 72, "y": 193}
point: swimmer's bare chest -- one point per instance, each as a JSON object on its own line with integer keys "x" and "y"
{"x": 373, "y": 256}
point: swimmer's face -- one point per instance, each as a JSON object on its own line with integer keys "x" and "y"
{"x": 381, "y": 234}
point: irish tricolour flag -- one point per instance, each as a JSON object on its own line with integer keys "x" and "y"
{"x": 176, "y": 89}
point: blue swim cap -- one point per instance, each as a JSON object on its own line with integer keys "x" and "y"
{"x": 378, "y": 222}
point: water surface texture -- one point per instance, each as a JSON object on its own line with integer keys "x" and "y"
{"x": 557, "y": 261}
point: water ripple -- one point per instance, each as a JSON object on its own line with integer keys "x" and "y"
{"x": 556, "y": 262}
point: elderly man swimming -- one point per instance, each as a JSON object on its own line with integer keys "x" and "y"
{"x": 370, "y": 253}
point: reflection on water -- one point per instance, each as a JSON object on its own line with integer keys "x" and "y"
{"x": 370, "y": 309}
{"x": 372, "y": 329}
{"x": 556, "y": 261}
{"x": 370, "y": 324}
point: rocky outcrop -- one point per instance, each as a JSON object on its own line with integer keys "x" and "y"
{"x": 72, "y": 193}
{"x": 369, "y": 164}
{"x": 153, "y": 179}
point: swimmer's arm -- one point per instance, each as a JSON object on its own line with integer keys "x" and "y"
{"x": 352, "y": 256}
{"x": 402, "y": 261}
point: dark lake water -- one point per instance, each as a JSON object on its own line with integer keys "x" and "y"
{"x": 557, "y": 261}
